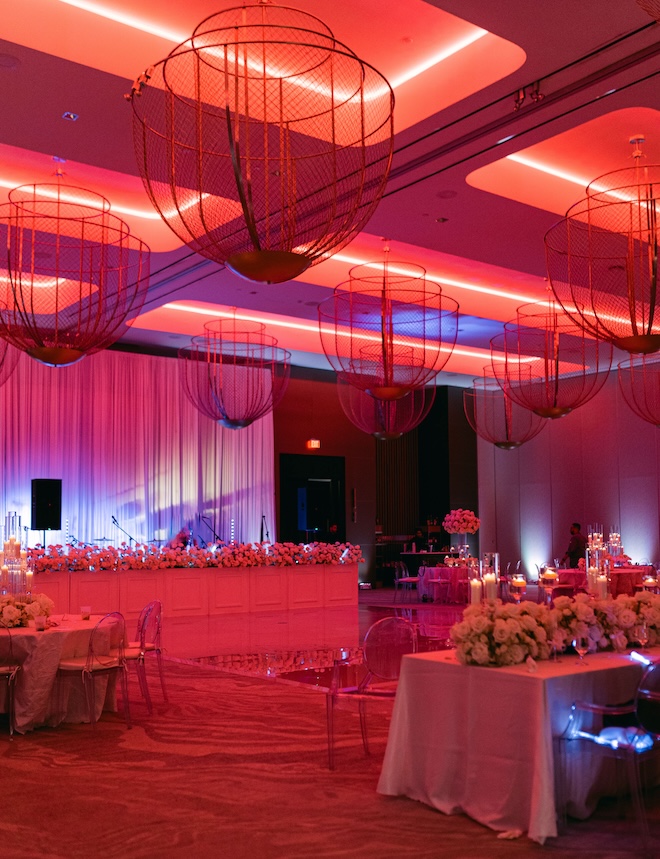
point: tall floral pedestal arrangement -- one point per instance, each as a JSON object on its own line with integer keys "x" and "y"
{"x": 463, "y": 522}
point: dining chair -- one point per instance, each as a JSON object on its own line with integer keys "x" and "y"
{"x": 147, "y": 641}
{"x": 631, "y": 744}
{"x": 9, "y": 669}
{"x": 403, "y": 579}
{"x": 385, "y": 643}
{"x": 105, "y": 658}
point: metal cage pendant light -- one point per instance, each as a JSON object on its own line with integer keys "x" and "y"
{"x": 388, "y": 330}
{"x": 602, "y": 258}
{"x": 639, "y": 382}
{"x": 495, "y": 417}
{"x": 263, "y": 142}
{"x": 546, "y": 364}
{"x": 234, "y": 373}
{"x": 383, "y": 419}
{"x": 75, "y": 274}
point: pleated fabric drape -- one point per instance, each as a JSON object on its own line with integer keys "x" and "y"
{"x": 120, "y": 433}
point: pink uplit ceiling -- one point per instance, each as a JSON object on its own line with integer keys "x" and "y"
{"x": 472, "y": 189}
{"x": 417, "y": 47}
{"x": 553, "y": 174}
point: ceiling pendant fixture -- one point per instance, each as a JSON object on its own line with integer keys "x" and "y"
{"x": 603, "y": 258}
{"x": 495, "y": 417}
{"x": 262, "y": 141}
{"x": 385, "y": 419}
{"x": 75, "y": 275}
{"x": 234, "y": 373}
{"x": 652, "y": 7}
{"x": 388, "y": 330}
{"x": 550, "y": 365}
{"x": 639, "y": 381}
{"x": 8, "y": 361}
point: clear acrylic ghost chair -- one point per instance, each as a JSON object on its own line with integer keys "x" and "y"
{"x": 147, "y": 642}
{"x": 403, "y": 579}
{"x": 9, "y": 669}
{"x": 385, "y": 642}
{"x": 632, "y": 744}
{"x": 105, "y": 657}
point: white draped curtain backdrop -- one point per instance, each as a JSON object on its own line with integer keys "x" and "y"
{"x": 126, "y": 443}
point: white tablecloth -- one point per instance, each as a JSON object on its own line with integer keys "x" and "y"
{"x": 480, "y": 740}
{"x": 39, "y": 698}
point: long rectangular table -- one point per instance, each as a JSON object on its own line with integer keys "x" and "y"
{"x": 480, "y": 740}
{"x": 40, "y": 699}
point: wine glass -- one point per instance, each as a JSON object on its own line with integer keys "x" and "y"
{"x": 581, "y": 645}
{"x": 641, "y": 633}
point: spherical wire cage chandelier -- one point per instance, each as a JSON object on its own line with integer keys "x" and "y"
{"x": 388, "y": 330}
{"x": 385, "y": 419}
{"x": 262, "y": 141}
{"x": 639, "y": 382}
{"x": 546, "y": 364}
{"x": 497, "y": 418}
{"x": 76, "y": 276}
{"x": 234, "y": 373}
{"x": 602, "y": 258}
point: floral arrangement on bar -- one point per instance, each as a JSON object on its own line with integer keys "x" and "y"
{"x": 145, "y": 556}
{"x": 496, "y": 633}
{"x": 20, "y": 610}
{"x": 461, "y": 522}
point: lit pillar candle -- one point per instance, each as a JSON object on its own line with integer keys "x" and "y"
{"x": 475, "y": 591}
{"x": 601, "y": 587}
{"x": 28, "y": 580}
{"x": 23, "y": 555}
{"x": 490, "y": 583}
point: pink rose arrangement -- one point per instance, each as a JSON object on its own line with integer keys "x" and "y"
{"x": 144, "y": 556}
{"x": 461, "y": 522}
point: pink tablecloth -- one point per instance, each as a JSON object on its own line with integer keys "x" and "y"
{"x": 624, "y": 579}
{"x": 430, "y": 577}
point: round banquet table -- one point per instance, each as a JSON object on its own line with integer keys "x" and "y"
{"x": 40, "y": 697}
{"x": 623, "y": 580}
{"x": 431, "y": 577}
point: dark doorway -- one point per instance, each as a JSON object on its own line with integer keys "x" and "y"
{"x": 312, "y": 498}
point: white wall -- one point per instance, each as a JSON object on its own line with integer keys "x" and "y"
{"x": 600, "y": 463}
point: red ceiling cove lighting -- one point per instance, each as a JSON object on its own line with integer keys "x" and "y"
{"x": 385, "y": 419}
{"x": 234, "y": 373}
{"x": 550, "y": 365}
{"x": 263, "y": 142}
{"x": 602, "y": 258}
{"x": 639, "y": 380}
{"x": 388, "y": 331}
{"x": 75, "y": 277}
{"x": 495, "y": 417}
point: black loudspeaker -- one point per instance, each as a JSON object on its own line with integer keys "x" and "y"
{"x": 46, "y": 505}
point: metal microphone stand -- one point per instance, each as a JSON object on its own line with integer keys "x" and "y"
{"x": 130, "y": 539}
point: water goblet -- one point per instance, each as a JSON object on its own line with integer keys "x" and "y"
{"x": 581, "y": 645}
{"x": 641, "y": 633}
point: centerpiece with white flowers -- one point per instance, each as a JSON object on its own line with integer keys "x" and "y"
{"x": 19, "y": 610}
